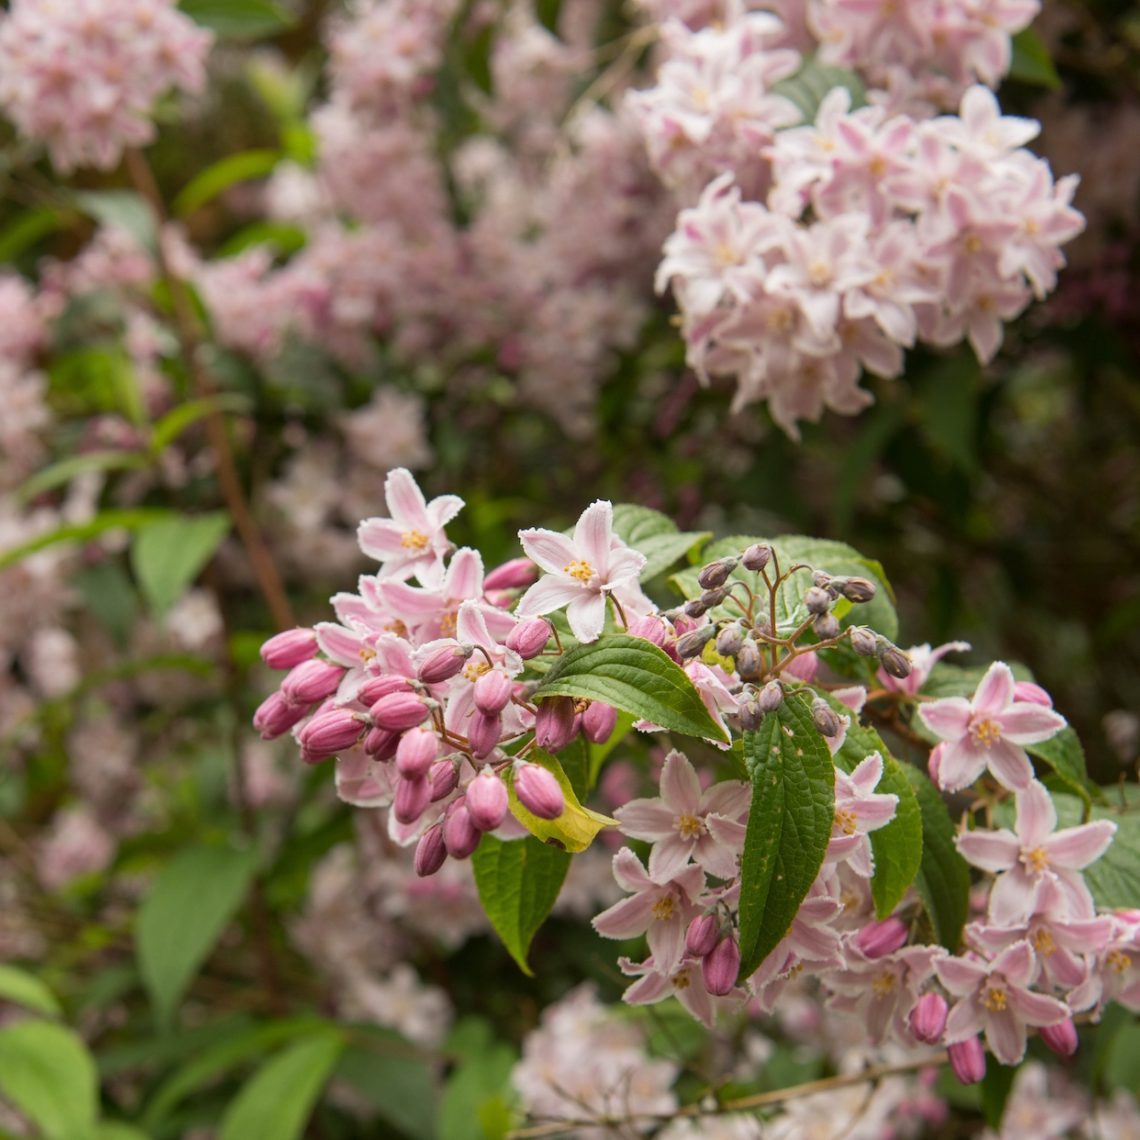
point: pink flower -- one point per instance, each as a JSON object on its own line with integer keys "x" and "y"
{"x": 858, "y": 810}
{"x": 580, "y": 572}
{"x": 922, "y": 662}
{"x": 988, "y": 732}
{"x": 1034, "y": 856}
{"x": 677, "y": 823}
{"x": 996, "y": 999}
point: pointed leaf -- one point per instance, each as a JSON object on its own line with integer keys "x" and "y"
{"x": 813, "y": 82}
{"x": 656, "y": 536}
{"x": 387, "y": 1072}
{"x": 239, "y": 19}
{"x": 789, "y": 826}
{"x": 21, "y": 988}
{"x": 223, "y": 174}
{"x": 47, "y": 1073}
{"x": 518, "y": 883}
{"x": 189, "y": 906}
{"x": 633, "y": 675}
{"x": 575, "y": 829}
{"x": 81, "y": 532}
{"x": 168, "y": 555}
{"x": 1030, "y": 61}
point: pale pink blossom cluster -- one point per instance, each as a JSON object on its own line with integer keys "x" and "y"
{"x": 82, "y": 76}
{"x": 879, "y": 232}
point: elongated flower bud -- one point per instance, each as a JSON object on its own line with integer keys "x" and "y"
{"x": 895, "y": 662}
{"x": 730, "y": 639}
{"x": 816, "y": 600}
{"x": 512, "y": 575}
{"x": 858, "y": 590}
{"x": 749, "y": 663}
{"x": 411, "y": 800}
{"x": 1033, "y": 694}
{"x": 877, "y": 939}
{"x": 275, "y": 716}
{"x": 863, "y": 641}
{"x": 555, "y": 723}
{"x": 381, "y": 743}
{"x": 928, "y": 1018}
{"x": 444, "y": 663}
{"x": 444, "y": 778}
{"x": 460, "y": 835}
{"x": 715, "y": 574}
{"x": 416, "y": 752}
{"x": 651, "y": 627}
{"x": 538, "y": 791}
{"x": 691, "y": 644}
{"x": 311, "y": 681}
{"x": 750, "y": 714}
{"x": 528, "y": 639}
{"x": 492, "y": 692}
{"x": 599, "y": 721}
{"x": 756, "y": 557}
{"x": 1061, "y": 1038}
{"x": 399, "y": 711}
{"x": 771, "y": 697}
{"x": 285, "y": 650}
{"x": 483, "y": 732}
{"x": 824, "y": 718}
{"x": 968, "y": 1060}
{"x": 826, "y": 627}
{"x": 329, "y": 733}
{"x": 486, "y": 800}
{"x": 720, "y": 966}
{"x": 430, "y": 851}
{"x": 376, "y": 687}
{"x": 702, "y": 936}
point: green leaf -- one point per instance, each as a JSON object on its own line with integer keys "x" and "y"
{"x": 789, "y": 826}
{"x": 175, "y": 422}
{"x": 116, "y": 1130}
{"x": 395, "y": 1082}
{"x": 57, "y": 474}
{"x": 656, "y": 536}
{"x": 943, "y": 880}
{"x": 188, "y": 907}
{"x": 223, "y": 174}
{"x": 81, "y": 532}
{"x": 476, "y": 1100}
{"x": 813, "y": 82}
{"x": 47, "y": 1073}
{"x": 518, "y": 882}
{"x": 120, "y": 210}
{"x": 1030, "y": 61}
{"x": 97, "y": 377}
{"x": 633, "y": 675}
{"x": 277, "y": 1101}
{"x": 576, "y": 828}
{"x": 239, "y": 19}
{"x": 27, "y": 228}
{"x": 897, "y": 848}
{"x": 997, "y": 1084}
{"x": 1122, "y": 1060}
{"x": 21, "y": 988}
{"x": 948, "y": 399}
{"x": 168, "y": 555}
{"x": 1064, "y": 754}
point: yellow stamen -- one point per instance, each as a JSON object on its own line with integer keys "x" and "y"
{"x": 1118, "y": 960}
{"x": 985, "y": 733}
{"x": 447, "y": 623}
{"x": 689, "y": 826}
{"x": 884, "y": 984}
{"x": 1036, "y": 860}
{"x": 995, "y": 999}
{"x": 475, "y": 669}
{"x": 397, "y": 627}
{"x": 664, "y": 907}
{"x": 681, "y": 982}
{"x": 1043, "y": 943}
{"x": 579, "y": 569}
{"x": 846, "y": 821}
{"x": 414, "y": 540}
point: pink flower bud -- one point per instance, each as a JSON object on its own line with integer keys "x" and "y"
{"x": 444, "y": 779}
{"x": 487, "y": 800}
{"x": 555, "y": 723}
{"x": 805, "y": 667}
{"x": 483, "y": 733}
{"x": 376, "y": 687}
{"x": 538, "y": 791}
{"x": 492, "y": 692}
{"x": 460, "y": 835}
{"x": 968, "y": 1060}
{"x": 416, "y": 752}
{"x": 702, "y": 935}
{"x": 430, "y": 851}
{"x": 330, "y": 732}
{"x": 599, "y": 721}
{"x": 653, "y": 628}
{"x": 311, "y": 681}
{"x": 399, "y": 711}
{"x": 720, "y": 966}
{"x": 879, "y": 938}
{"x": 1061, "y": 1038}
{"x": 512, "y": 575}
{"x": 1031, "y": 693}
{"x": 275, "y": 715}
{"x": 501, "y": 599}
{"x": 411, "y": 799}
{"x": 928, "y": 1018}
{"x": 381, "y": 743}
{"x": 284, "y": 650}
{"x": 444, "y": 663}
{"x": 529, "y": 637}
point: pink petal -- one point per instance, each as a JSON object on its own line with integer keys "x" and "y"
{"x": 867, "y": 773}
{"x": 341, "y": 645}
{"x": 948, "y": 718}
{"x": 1025, "y": 723}
{"x": 1036, "y": 815}
{"x": 992, "y": 851}
{"x": 629, "y": 873}
{"x": 405, "y": 501}
{"x": 649, "y": 989}
{"x": 1016, "y": 964}
{"x": 1009, "y": 765}
{"x": 960, "y": 764}
{"x": 380, "y": 539}
{"x": 592, "y": 534}
{"x": 624, "y": 564}
{"x": 645, "y": 819}
{"x": 587, "y": 616}
{"x": 552, "y": 551}
{"x": 995, "y": 691}
{"x": 680, "y": 788}
{"x": 1076, "y": 847}
{"x": 546, "y": 595}
{"x": 669, "y": 857}
{"x": 1014, "y": 898}
{"x": 442, "y": 509}
{"x": 1005, "y": 1036}
{"x": 1037, "y": 1009}
{"x": 628, "y": 918}
{"x": 960, "y": 975}
{"x": 464, "y": 574}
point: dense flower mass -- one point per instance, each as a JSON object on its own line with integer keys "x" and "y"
{"x": 82, "y": 76}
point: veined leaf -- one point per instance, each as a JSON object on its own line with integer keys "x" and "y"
{"x": 656, "y": 536}
{"x": 575, "y": 829}
{"x": 789, "y": 826}
{"x": 813, "y": 82}
{"x": 633, "y": 675}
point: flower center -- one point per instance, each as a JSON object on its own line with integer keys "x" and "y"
{"x": 985, "y": 733}
{"x": 689, "y": 826}
{"x": 681, "y": 981}
{"x": 397, "y": 627}
{"x": 1043, "y": 943}
{"x": 447, "y": 623}
{"x": 414, "y": 540}
{"x": 664, "y": 907}
{"x": 1118, "y": 960}
{"x": 475, "y": 669}
{"x": 579, "y": 569}
{"x": 845, "y": 820}
{"x": 884, "y": 984}
{"x": 995, "y": 999}
{"x": 1036, "y": 860}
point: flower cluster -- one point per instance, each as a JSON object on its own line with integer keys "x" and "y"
{"x": 83, "y": 76}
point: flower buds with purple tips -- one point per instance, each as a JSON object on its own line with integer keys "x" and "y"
{"x": 895, "y": 662}
{"x": 460, "y": 835}
{"x": 399, "y": 711}
{"x": 826, "y": 626}
{"x": 730, "y": 639}
{"x": 555, "y": 723}
{"x": 486, "y": 800}
{"x": 826, "y": 722}
{"x": 492, "y": 692}
{"x": 484, "y": 730}
{"x": 411, "y": 800}
{"x": 285, "y": 650}
{"x": 538, "y": 791}
{"x": 703, "y": 934}
{"x": 817, "y": 601}
{"x": 878, "y": 939}
{"x": 715, "y": 574}
{"x": 771, "y": 697}
{"x": 416, "y": 752}
{"x": 443, "y": 663}
{"x": 328, "y": 733}
{"x": 756, "y": 557}
{"x": 1061, "y": 1038}
{"x": 599, "y": 721}
{"x": 720, "y": 966}
{"x": 275, "y": 716}
{"x": 528, "y": 639}
{"x": 311, "y": 681}
{"x": 749, "y": 662}
{"x": 750, "y": 714}
{"x": 380, "y": 743}
{"x": 430, "y": 851}
{"x": 691, "y": 644}
{"x": 928, "y": 1018}
{"x": 864, "y": 641}
{"x": 444, "y": 778}
{"x": 858, "y": 590}
{"x": 695, "y": 608}
{"x": 968, "y": 1060}
{"x": 651, "y": 627}
{"x": 512, "y": 575}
